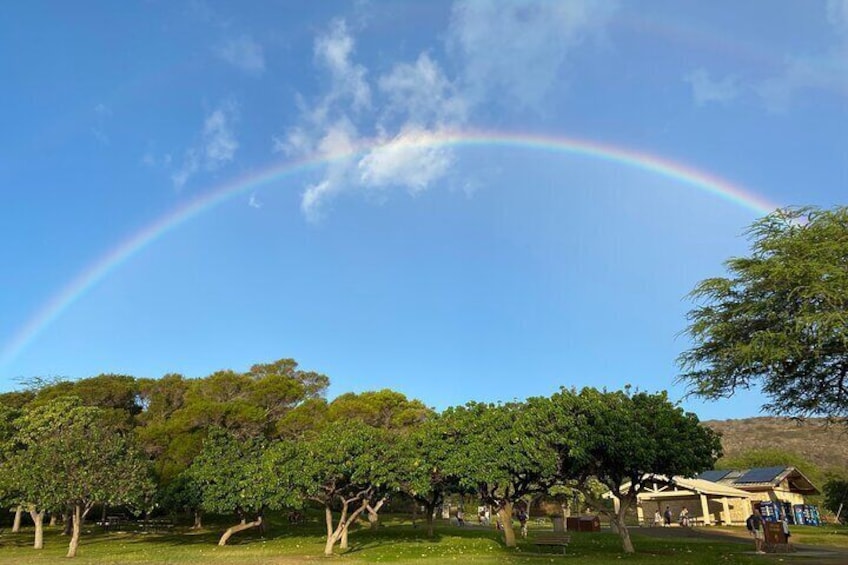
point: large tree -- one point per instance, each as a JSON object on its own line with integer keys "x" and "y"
{"x": 501, "y": 451}
{"x": 624, "y": 440}
{"x": 346, "y": 466}
{"x": 72, "y": 457}
{"x": 244, "y": 477}
{"x": 422, "y": 474}
{"x": 780, "y": 317}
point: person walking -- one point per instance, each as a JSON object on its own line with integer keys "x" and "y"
{"x": 667, "y": 517}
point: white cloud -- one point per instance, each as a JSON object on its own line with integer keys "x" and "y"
{"x": 333, "y": 50}
{"x": 706, "y": 89}
{"x": 518, "y": 48}
{"x": 244, "y": 53}
{"x": 422, "y": 94}
{"x": 254, "y": 202}
{"x": 412, "y": 159}
{"x": 216, "y": 147}
{"x": 374, "y": 140}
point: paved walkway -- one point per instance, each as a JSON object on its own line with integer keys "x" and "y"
{"x": 804, "y": 553}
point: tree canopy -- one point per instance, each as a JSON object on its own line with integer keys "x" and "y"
{"x": 779, "y": 318}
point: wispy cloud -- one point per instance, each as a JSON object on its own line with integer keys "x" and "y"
{"x": 254, "y": 202}
{"x": 216, "y": 146}
{"x": 825, "y": 70}
{"x": 519, "y": 48}
{"x": 706, "y": 89}
{"x": 333, "y": 51}
{"x": 374, "y": 146}
{"x": 383, "y": 131}
{"x": 243, "y": 53}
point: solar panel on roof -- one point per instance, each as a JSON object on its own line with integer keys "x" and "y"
{"x": 761, "y": 475}
{"x": 714, "y": 476}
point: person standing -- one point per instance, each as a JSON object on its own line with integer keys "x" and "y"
{"x": 522, "y": 519}
{"x": 754, "y": 523}
{"x": 658, "y": 520}
{"x": 667, "y": 517}
{"x": 684, "y": 517}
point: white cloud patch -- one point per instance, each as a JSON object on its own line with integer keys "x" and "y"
{"x": 216, "y": 147}
{"x": 243, "y": 53}
{"x": 374, "y": 139}
{"x": 422, "y": 93}
{"x": 518, "y": 48}
{"x": 254, "y": 202}
{"x": 706, "y": 89}
{"x": 412, "y": 160}
{"x": 333, "y": 50}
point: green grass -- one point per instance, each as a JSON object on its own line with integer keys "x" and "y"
{"x": 396, "y": 542}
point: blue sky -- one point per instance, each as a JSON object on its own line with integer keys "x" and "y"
{"x": 449, "y": 272}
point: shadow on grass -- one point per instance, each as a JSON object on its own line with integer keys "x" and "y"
{"x": 363, "y": 539}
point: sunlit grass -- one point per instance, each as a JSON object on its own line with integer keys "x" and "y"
{"x": 396, "y": 542}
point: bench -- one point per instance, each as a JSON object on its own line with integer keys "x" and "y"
{"x": 552, "y": 538}
{"x": 155, "y": 524}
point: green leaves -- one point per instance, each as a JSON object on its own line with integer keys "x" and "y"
{"x": 779, "y": 318}
{"x": 70, "y": 454}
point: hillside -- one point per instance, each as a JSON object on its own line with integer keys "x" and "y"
{"x": 825, "y": 447}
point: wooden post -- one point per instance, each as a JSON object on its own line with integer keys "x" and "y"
{"x": 705, "y": 511}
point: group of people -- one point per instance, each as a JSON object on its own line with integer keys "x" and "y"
{"x": 665, "y": 518}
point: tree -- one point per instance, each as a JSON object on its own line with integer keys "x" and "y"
{"x": 422, "y": 474}
{"x": 502, "y": 452}
{"x": 179, "y": 412}
{"x": 72, "y": 458}
{"x": 347, "y": 467}
{"x": 779, "y": 318}
{"x": 623, "y": 440}
{"x": 182, "y": 494}
{"x": 386, "y": 409}
{"x": 242, "y": 476}
{"x": 836, "y": 497}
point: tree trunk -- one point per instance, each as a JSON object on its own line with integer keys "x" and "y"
{"x": 38, "y": 519}
{"x": 617, "y": 524}
{"x": 430, "y": 521}
{"x": 75, "y": 535}
{"x": 343, "y": 539}
{"x": 16, "y": 525}
{"x": 505, "y": 512}
{"x": 244, "y": 525}
{"x": 373, "y": 513}
{"x": 68, "y": 521}
{"x": 198, "y": 520}
{"x": 331, "y": 540}
{"x": 341, "y": 531}
{"x": 52, "y": 519}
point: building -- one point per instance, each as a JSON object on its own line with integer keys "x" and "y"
{"x": 707, "y": 502}
{"x": 786, "y": 485}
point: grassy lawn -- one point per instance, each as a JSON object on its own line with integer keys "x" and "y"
{"x": 397, "y": 542}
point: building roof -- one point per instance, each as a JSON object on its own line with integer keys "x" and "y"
{"x": 760, "y": 478}
{"x": 660, "y": 486}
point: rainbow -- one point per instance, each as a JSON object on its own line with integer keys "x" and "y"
{"x": 124, "y": 251}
